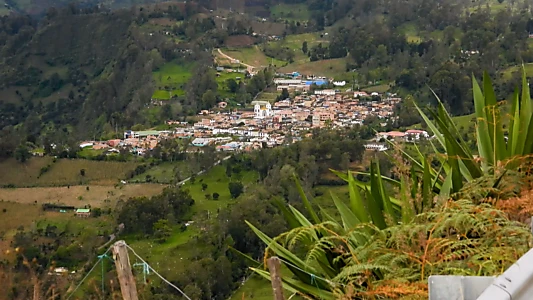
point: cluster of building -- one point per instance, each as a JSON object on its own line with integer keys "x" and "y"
{"x": 267, "y": 124}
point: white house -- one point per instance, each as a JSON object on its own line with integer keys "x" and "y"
{"x": 417, "y": 134}
{"x": 376, "y": 147}
{"x": 359, "y": 94}
{"x": 325, "y": 92}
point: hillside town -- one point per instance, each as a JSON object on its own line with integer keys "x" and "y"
{"x": 265, "y": 124}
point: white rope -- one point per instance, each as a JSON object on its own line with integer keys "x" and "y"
{"x": 162, "y": 278}
{"x": 94, "y": 266}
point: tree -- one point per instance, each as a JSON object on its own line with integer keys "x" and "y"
{"x": 209, "y": 99}
{"x": 204, "y": 186}
{"x": 22, "y": 153}
{"x": 235, "y": 189}
{"x": 215, "y": 196}
{"x": 232, "y": 85}
{"x": 284, "y": 94}
{"x": 162, "y": 230}
{"x": 304, "y": 47}
{"x": 82, "y": 172}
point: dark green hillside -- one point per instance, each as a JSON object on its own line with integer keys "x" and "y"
{"x": 75, "y": 70}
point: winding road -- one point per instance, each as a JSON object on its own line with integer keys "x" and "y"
{"x": 249, "y": 67}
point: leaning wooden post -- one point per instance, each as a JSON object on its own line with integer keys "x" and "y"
{"x": 274, "y": 266}
{"x": 124, "y": 274}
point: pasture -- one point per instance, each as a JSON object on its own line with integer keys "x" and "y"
{"x": 79, "y": 196}
{"x": 62, "y": 172}
{"x": 290, "y": 12}
{"x": 329, "y": 67}
{"x": 253, "y": 56}
{"x": 171, "y": 79}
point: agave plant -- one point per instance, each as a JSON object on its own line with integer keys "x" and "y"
{"x": 329, "y": 245}
{"x": 495, "y": 150}
{"x": 370, "y": 209}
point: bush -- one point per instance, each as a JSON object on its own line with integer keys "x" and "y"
{"x": 216, "y": 196}
{"x": 235, "y": 189}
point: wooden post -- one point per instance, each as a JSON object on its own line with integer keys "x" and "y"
{"x": 124, "y": 274}
{"x": 274, "y": 266}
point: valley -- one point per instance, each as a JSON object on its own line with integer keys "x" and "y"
{"x": 197, "y": 131}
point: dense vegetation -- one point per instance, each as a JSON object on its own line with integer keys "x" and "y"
{"x": 433, "y": 222}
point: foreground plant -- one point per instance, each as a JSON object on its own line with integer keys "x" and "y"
{"x": 386, "y": 246}
{"x": 460, "y": 238}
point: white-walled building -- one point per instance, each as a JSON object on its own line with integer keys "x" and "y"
{"x": 262, "y": 109}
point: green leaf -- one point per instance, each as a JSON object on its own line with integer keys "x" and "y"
{"x": 494, "y": 119}
{"x": 248, "y": 259}
{"x": 295, "y": 286}
{"x": 438, "y": 135}
{"x": 514, "y": 125}
{"x": 483, "y": 137}
{"x": 426, "y": 187}
{"x": 289, "y": 216}
{"x": 407, "y": 211}
{"x": 461, "y": 151}
{"x": 356, "y": 202}
{"x": 457, "y": 180}
{"x": 375, "y": 211}
{"x": 278, "y": 249}
{"x": 306, "y": 202}
{"x": 349, "y": 219}
{"x": 445, "y": 190}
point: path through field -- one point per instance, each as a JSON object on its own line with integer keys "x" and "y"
{"x": 249, "y": 67}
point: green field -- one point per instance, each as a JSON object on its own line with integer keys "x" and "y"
{"x": 252, "y": 56}
{"x": 507, "y": 74}
{"x": 329, "y": 67}
{"x": 162, "y": 173}
{"x": 216, "y": 181}
{"x": 291, "y": 12}
{"x": 294, "y": 42}
{"x": 380, "y": 88}
{"x": 267, "y": 96}
{"x": 495, "y": 5}
{"x": 171, "y": 79}
{"x": 62, "y": 172}
{"x": 410, "y": 30}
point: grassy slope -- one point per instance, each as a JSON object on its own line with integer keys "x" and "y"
{"x": 63, "y": 172}
{"x": 411, "y": 32}
{"x": 291, "y": 12}
{"x": 252, "y": 56}
{"x": 162, "y": 173}
{"x": 173, "y": 76}
{"x": 96, "y": 196}
{"x": 508, "y": 73}
{"x": 329, "y": 67}
{"x": 177, "y": 247}
{"x": 295, "y": 41}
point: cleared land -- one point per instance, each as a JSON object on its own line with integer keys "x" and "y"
{"x": 96, "y": 196}
{"x": 294, "y": 42}
{"x": 328, "y": 67}
{"x": 508, "y": 73}
{"x": 62, "y": 172}
{"x": 253, "y": 56}
{"x": 171, "y": 79}
{"x": 292, "y": 12}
